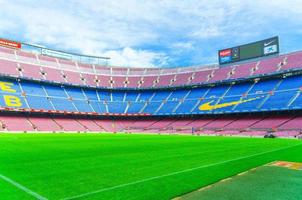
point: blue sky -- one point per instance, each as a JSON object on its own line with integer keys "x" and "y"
{"x": 141, "y": 33}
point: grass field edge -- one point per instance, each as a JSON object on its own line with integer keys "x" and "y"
{"x": 125, "y": 133}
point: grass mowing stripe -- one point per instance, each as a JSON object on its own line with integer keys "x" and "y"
{"x": 173, "y": 173}
{"x": 23, "y": 188}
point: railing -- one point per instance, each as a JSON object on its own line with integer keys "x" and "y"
{"x": 98, "y": 60}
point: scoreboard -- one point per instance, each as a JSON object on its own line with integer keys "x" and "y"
{"x": 252, "y": 50}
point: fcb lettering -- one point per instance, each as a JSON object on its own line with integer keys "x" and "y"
{"x": 10, "y": 100}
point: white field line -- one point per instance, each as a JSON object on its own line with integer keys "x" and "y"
{"x": 173, "y": 173}
{"x": 23, "y": 188}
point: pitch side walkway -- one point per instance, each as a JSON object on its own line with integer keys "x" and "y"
{"x": 279, "y": 180}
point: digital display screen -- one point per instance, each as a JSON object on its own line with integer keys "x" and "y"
{"x": 248, "y": 51}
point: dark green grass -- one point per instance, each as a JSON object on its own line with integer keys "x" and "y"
{"x": 58, "y": 166}
{"x": 265, "y": 183}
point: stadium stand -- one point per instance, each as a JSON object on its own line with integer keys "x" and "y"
{"x": 261, "y": 95}
{"x": 58, "y": 70}
{"x": 65, "y": 93}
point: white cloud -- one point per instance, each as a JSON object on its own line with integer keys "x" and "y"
{"x": 144, "y": 28}
{"x": 135, "y": 58}
{"x": 208, "y": 33}
{"x": 183, "y": 45}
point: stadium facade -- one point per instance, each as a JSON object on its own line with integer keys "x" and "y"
{"x": 40, "y": 92}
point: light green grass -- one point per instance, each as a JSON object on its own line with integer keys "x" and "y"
{"x": 58, "y": 166}
{"x": 265, "y": 183}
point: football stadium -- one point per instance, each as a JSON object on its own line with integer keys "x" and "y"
{"x": 73, "y": 126}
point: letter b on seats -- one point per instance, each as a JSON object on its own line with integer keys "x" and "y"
{"x": 12, "y": 101}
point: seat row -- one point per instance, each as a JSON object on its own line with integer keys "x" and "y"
{"x": 280, "y": 126}
{"x": 252, "y": 96}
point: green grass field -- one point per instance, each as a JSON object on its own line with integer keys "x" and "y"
{"x": 108, "y": 166}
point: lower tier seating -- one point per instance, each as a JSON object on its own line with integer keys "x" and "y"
{"x": 284, "y": 126}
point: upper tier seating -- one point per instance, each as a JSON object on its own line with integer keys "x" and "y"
{"x": 18, "y": 63}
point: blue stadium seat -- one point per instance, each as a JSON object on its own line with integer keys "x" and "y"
{"x": 178, "y": 94}
{"x": 168, "y": 107}
{"x": 279, "y": 100}
{"x": 104, "y": 95}
{"x": 37, "y": 102}
{"x": 160, "y": 95}
{"x": 238, "y": 89}
{"x": 145, "y": 96}
{"x": 91, "y": 94}
{"x": 135, "y": 107}
{"x": 217, "y": 91}
{"x": 118, "y": 96}
{"x": 98, "y": 107}
{"x": 117, "y": 107}
{"x": 152, "y": 107}
{"x": 250, "y": 105}
{"x": 63, "y": 104}
{"x": 131, "y": 96}
{"x": 297, "y": 103}
{"x": 264, "y": 86}
{"x": 31, "y": 88}
{"x": 82, "y": 106}
{"x": 197, "y": 93}
{"x": 75, "y": 93}
{"x": 55, "y": 91}
{"x": 186, "y": 106}
{"x": 295, "y": 82}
